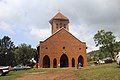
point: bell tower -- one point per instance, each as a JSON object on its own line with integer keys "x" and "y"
{"x": 59, "y": 21}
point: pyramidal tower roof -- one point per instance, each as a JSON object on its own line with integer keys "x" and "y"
{"x": 59, "y": 16}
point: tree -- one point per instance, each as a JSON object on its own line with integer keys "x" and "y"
{"x": 6, "y": 51}
{"x": 106, "y": 41}
{"x": 97, "y": 54}
{"x": 117, "y": 47}
{"x": 24, "y": 53}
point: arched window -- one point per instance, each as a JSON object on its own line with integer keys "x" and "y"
{"x": 54, "y": 63}
{"x": 46, "y": 62}
{"x": 73, "y": 62}
{"x": 80, "y": 61}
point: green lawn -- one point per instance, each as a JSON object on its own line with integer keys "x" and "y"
{"x": 15, "y": 74}
{"x": 101, "y": 72}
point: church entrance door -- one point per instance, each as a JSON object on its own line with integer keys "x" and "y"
{"x": 64, "y": 61}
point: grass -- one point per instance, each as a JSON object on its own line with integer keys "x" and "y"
{"x": 101, "y": 72}
{"x": 12, "y": 75}
{"x": 15, "y": 74}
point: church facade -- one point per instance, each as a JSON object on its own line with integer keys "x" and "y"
{"x": 61, "y": 49}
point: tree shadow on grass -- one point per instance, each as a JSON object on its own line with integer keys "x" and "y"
{"x": 118, "y": 66}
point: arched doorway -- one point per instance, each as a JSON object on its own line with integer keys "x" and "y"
{"x": 80, "y": 60}
{"x": 73, "y": 62}
{"x": 46, "y": 62}
{"x": 64, "y": 61}
{"x": 54, "y": 63}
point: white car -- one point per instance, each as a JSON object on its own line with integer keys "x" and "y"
{"x": 4, "y": 70}
{"x": 20, "y": 67}
{"x": 118, "y": 59}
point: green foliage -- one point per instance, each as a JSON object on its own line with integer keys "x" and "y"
{"x": 98, "y": 54}
{"x": 103, "y": 38}
{"x": 117, "y": 47}
{"x": 11, "y": 55}
{"x": 6, "y": 51}
{"x": 24, "y": 53}
{"x": 106, "y": 41}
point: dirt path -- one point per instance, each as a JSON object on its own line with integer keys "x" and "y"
{"x": 50, "y": 75}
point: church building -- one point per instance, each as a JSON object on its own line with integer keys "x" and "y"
{"x": 61, "y": 49}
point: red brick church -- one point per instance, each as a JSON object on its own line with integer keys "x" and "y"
{"x": 61, "y": 49}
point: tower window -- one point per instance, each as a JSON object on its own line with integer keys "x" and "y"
{"x": 60, "y": 23}
{"x": 64, "y": 27}
{"x": 46, "y": 47}
{"x": 56, "y": 24}
{"x": 60, "y": 26}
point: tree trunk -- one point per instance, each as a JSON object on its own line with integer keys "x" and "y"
{"x": 113, "y": 56}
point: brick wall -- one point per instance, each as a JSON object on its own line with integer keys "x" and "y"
{"x": 53, "y": 47}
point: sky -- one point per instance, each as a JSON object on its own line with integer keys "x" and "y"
{"x": 27, "y": 21}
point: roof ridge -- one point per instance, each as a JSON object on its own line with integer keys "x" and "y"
{"x": 59, "y": 16}
{"x": 66, "y": 31}
{"x": 53, "y": 34}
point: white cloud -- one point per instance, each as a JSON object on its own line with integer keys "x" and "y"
{"x": 8, "y": 8}
{"x": 86, "y": 17}
{"x": 40, "y": 34}
{"x": 83, "y": 33}
{"x": 6, "y": 27}
{"x": 118, "y": 38}
{"x": 91, "y": 48}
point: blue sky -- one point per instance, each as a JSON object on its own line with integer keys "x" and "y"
{"x": 26, "y": 21}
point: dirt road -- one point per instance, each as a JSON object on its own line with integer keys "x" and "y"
{"x": 65, "y": 74}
